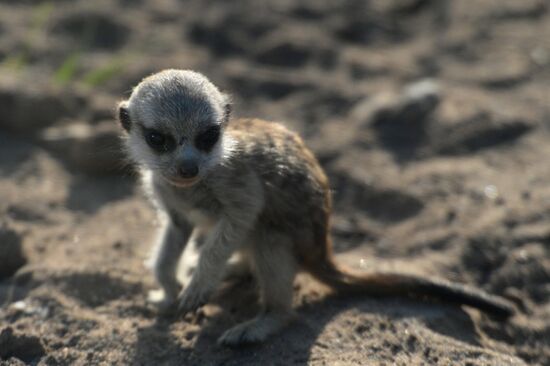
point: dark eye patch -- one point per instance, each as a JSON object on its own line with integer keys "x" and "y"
{"x": 206, "y": 140}
{"x": 158, "y": 141}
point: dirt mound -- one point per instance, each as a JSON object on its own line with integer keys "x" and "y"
{"x": 11, "y": 256}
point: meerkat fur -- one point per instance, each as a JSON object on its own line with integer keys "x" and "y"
{"x": 247, "y": 187}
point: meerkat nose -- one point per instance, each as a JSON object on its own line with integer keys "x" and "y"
{"x": 188, "y": 169}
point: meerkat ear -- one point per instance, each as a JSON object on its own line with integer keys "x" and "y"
{"x": 227, "y": 108}
{"x": 124, "y": 116}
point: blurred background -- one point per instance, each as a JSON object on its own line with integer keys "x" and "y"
{"x": 431, "y": 118}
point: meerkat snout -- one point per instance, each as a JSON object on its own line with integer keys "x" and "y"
{"x": 189, "y": 169}
{"x": 174, "y": 125}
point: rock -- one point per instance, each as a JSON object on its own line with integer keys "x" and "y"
{"x": 294, "y": 47}
{"x": 409, "y": 7}
{"x": 220, "y": 42}
{"x": 468, "y": 121}
{"x": 229, "y": 33}
{"x": 527, "y": 268}
{"x": 93, "y": 149}
{"x": 285, "y": 53}
{"x": 388, "y": 204}
{"x": 271, "y": 86}
{"x": 511, "y": 9}
{"x": 505, "y": 74}
{"x": 402, "y": 122}
{"x": 28, "y": 349}
{"x": 364, "y": 64}
{"x": 368, "y": 28}
{"x": 413, "y": 123}
{"x": 93, "y": 29}
{"x": 28, "y": 110}
{"x": 499, "y": 70}
{"x": 94, "y": 289}
{"x": 536, "y": 232}
{"x": 478, "y": 132}
{"x": 11, "y": 254}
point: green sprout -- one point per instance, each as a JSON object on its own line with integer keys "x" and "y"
{"x": 15, "y": 62}
{"x": 103, "y": 74}
{"x": 66, "y": 72}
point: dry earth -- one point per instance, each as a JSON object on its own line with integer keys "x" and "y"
{"x": 431, "y": 118}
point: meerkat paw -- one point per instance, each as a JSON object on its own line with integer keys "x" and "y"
{"x": 165, "y": 305}
{"x": 254, "y": 331}
{"x": 190, "y": 299}
{"x": 246, "y": 333}
{"x": 242, "y": 334}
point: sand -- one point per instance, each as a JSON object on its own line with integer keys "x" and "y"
{"x": 431, "y": 119}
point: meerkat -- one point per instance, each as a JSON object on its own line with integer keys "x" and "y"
{"x": 250, "y": 187}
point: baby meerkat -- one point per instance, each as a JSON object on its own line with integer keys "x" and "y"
{"x": 244, "y": 186}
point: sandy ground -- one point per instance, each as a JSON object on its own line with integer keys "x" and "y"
{"x": 431, "y": 119}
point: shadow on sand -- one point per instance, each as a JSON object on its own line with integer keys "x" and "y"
{"x": 157, "y": 343}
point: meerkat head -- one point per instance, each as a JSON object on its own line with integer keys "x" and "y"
{"x": 174, "y": 122}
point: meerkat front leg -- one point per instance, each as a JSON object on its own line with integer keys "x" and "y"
{"x": 216, "y": 251}
{"x": 172, "y": 241}
{"x": 190, "y": 256}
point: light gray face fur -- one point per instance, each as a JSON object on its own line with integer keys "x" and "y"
{"x": 180, "y": 104}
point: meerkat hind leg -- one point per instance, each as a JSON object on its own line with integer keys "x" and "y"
{"x": 274, "y": 266}
{"x": 238, "y": 266}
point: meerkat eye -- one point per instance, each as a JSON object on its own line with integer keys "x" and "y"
{"x": 158, "y": 141}
{"x": 207, "y": 139}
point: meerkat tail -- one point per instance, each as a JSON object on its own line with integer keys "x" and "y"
{"x": 390, "y": 284}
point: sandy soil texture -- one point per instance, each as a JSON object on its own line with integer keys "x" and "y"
{"x": 431, "y": 118}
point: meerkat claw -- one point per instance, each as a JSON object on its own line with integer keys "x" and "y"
{"x": 189, "y": 301}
